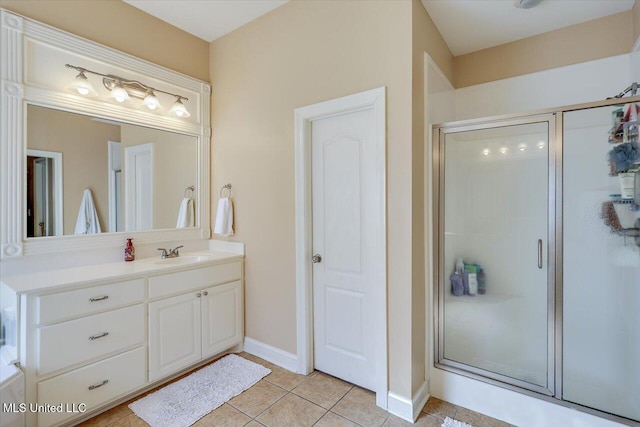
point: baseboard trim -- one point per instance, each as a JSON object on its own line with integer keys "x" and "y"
{"x": 271, "y": 354}
{"x": 408, "y": 410}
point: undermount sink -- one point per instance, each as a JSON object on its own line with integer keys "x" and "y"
{"x": 183, "y": 259}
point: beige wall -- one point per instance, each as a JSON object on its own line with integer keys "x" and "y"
{"x": 300, "y": 54}
{"x": 118, "y": 25}
{"x": 636, "y": 20}
{"x": 83, "y": 143}
{"x": 175, "y": 167}
{"x": 600, "y": 38}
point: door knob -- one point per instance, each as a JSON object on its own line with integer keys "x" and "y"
{"x": 316, "y": 258}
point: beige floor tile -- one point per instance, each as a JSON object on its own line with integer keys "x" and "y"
{"x": 332, "y": 420}
{"x": 322, "y": 389}
{"x": 224, "y": 416}
{"x": 130, "y": 421}
{"x": 108, "y": 417}
{"x": 359, "y": 405}
{"x": 440, "y": 408}
{"x": 258, "y": 398}
{"x": 424, "y": 420}
{"x": 254, "y": 423}
{"x": 281, "y": 377}
{"x": 285, "y": 379}
{"x": 477, "y": 419}
{"x": 291, "y": 411}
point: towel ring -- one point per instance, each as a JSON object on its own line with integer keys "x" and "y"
{"x": 186, "y": 190}
{"x": 225, "y": 187}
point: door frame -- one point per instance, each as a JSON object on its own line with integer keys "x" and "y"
{"x": 375, "y": 100}
{"x": 112, "y": 171}
{"x": 57, "y": 187}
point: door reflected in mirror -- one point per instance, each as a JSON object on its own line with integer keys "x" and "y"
{"x": 88, "y": 175}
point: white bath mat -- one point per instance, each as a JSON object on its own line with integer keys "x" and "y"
{"x": 184, "y": 402}
{"x": 448, "y": 422}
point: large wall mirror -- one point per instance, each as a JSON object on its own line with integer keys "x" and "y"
{"x": 87, "y": 175}
{"x": 84, "y": 172}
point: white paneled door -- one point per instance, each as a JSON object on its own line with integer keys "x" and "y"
{"x": 346, "y": 210}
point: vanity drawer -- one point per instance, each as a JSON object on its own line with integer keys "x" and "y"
{"x": 76, "y": 341}
{"x": 184, "y": 281}
{"x": 123, "y": 373}
{"x": 80, "y": 302}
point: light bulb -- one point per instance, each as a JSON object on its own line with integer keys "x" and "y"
{"x": 151, "y": 101}
{"x": 179, "y": 110}
{"x": 486, "y": 152}
{"x": 82, "y": 86}
{"x": 503, "y": 150}
{"x": 522, "y": 147}
{"x": 119, "y": 93}
{"x": 540, "y": 145}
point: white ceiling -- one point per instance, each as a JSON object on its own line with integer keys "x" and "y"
{"x": 470, "y": 25}
{"x": 207, "y": 19}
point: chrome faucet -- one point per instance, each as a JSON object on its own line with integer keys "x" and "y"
{"x": 171, "y": 253}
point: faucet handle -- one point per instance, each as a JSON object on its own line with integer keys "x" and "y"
{"x": 164, "y": 253}
{"x": 175, "y": 250}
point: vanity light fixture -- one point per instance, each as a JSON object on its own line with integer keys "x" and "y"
{"x": 503, "y": 150}
{"x": 121, "y": 90}
{"x": 151, "y": 101}
{"x": 82, "y": 85}
{"x": 486, "y": 152}
{"x": 540, "y": 145}
{"x": 522, "y": 146}
{"x": 178, "y": 109}
{"x": 119, "y": 93}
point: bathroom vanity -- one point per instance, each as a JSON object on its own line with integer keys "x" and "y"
{"x": 89, "y": 337}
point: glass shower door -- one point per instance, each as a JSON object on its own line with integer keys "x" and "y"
{"x": 494, "y": 293}
{"x": 601, "y": 264}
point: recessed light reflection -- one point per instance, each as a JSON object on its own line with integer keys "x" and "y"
{"x": 522, "y": 147}
{"x": 486, "y": 152}
{"x": 503, "y": 150}
{"x": 540, "y": 145}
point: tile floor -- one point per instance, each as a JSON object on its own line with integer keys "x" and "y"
{"x": 285, "y": 399}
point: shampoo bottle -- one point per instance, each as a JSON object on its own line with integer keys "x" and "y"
{"x": 129, "y": 251}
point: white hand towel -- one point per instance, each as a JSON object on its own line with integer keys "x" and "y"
{"x": 185, "y": 214}
{"x": 224, "y": 218}
{"x": 87, "y": 222}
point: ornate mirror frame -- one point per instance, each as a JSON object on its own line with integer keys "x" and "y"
{"x": 32, "y": 57}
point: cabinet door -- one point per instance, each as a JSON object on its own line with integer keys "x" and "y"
{"x": 222, "y": 320}
{"x": 174, "y": 334}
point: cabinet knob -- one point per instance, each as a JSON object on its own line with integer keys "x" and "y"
{"x": 198, "y": 295}
{"x": 205, "y": 293}
{"x": 316, "y": 258}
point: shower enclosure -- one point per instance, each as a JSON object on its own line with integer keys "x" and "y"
{"x": 537, "y": 255}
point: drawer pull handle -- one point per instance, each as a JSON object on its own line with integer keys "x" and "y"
{"x": 99, "y": 298}
{"x": 95, "y": 386}
{"x": 95, "y": 337}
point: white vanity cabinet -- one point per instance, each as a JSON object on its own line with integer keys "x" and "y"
{"x": 91, "y": 337}
{"x": 205, "y": 318}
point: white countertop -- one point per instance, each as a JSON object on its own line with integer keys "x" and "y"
{"x": 71, "y": 277}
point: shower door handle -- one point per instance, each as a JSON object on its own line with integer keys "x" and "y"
{"x": 540, "y": 253}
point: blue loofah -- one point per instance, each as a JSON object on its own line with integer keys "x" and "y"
{"x": 623, "y": 156}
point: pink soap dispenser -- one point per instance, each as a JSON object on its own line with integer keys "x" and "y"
{"x": 129, "y": 251}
